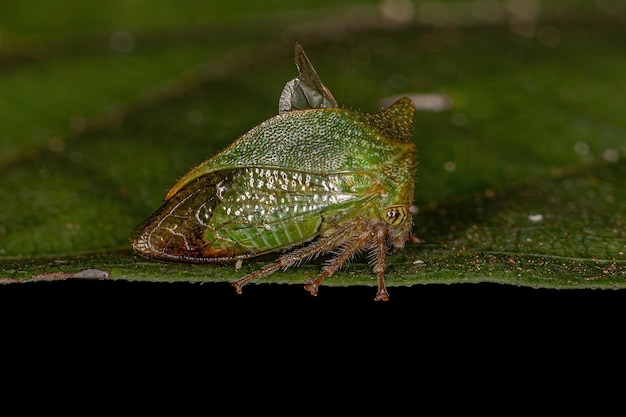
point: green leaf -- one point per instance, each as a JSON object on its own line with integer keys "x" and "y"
{"x": 519, "y": 182}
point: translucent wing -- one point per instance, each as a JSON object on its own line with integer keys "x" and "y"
{"x": 306, "y": 91}
{"x": 176, "y": 230}
{"x": 245, "y": 212}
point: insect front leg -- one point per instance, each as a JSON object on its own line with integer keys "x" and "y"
{"x": 380, "y": 262}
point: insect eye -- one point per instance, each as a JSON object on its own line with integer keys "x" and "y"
{"x": 395, "y": 215}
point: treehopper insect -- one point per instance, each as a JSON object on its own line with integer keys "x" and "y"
{"x": 313, "y": 180}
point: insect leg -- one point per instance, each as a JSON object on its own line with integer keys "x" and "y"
{"x": 380, "y": 262}
{"x": 348, "y": 250}
{"x": 316, "y": 248}
{"x": 266, "y": 270}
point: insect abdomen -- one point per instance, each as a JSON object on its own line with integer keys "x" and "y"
{"x": 264, "y": 238}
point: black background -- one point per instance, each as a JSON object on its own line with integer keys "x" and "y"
{"x": 192, "y": 313}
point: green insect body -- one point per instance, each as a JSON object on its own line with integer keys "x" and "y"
{"x": 310, "y": 181}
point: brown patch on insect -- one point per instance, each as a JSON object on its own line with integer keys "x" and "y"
{"x": 185, "y": 248}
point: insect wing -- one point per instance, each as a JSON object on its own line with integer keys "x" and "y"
{"x": 305, "y": 91}
{"x": 248, "y": 211}
{"x": 176, "y": 230}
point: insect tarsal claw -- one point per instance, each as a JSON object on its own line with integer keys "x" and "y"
{"x": 312, "y": 288}
{"x": 382, "y": 295}
{"x": 238, "y": 287}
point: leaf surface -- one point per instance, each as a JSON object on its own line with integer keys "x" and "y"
{"x": 520, "y": 181}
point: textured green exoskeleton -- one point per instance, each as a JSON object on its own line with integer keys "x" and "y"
{"x": 313, "y": 180}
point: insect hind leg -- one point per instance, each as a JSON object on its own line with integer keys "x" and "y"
{"x": 265, "y": 271}
{"x": 318, "y": 247}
